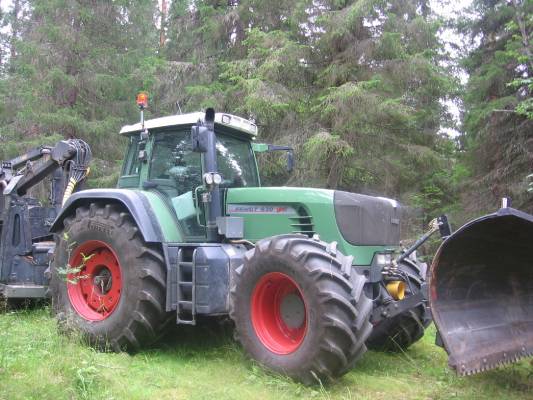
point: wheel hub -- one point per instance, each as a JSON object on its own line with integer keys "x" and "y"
{"x": 293, "y": 310}
{"x": 279, "y": 313}
{"x": 95, "y": 285}
{"x": 103, "y": 281}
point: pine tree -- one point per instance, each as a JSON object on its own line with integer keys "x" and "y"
{"x": 355, "y": 86}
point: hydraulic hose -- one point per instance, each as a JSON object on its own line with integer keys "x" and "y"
{"x": 78, "y": 167}
{"x": 69, "y": 190}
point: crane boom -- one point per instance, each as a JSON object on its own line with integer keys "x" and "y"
{"x": 25, "y": 240}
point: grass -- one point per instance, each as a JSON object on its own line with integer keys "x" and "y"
{"x": 204, "y": 363}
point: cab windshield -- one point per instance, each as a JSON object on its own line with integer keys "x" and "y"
{"x": 177, "y": 169}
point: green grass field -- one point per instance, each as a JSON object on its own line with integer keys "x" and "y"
{"x": 204, "y": 363}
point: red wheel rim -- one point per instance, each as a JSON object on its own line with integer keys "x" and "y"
{"x": 279, "y": 313}
{"x": 94, "y": 290}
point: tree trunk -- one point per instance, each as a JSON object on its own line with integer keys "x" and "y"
{"x": 15, "y": 28}
{"x": 164, "y": 13}
{"x": 525, "y": 37}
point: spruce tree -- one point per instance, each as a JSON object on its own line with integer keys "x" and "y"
{"x": 355, "y": 86}
{"x": 382, "y": 82}
{"x": 77, "y": 69}
{"x": 498, "y": 118}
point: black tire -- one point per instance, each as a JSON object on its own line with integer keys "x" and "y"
{"x": 139, "y": 315}
{"x": 336, "y": 309}
{"x": 399, "y": 332}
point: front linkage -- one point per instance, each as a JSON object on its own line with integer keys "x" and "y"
{"x": 399, "y": 289}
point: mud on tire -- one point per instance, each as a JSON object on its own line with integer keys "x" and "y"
{"x": 330, "y": 337}
{"x": 137, "y": 317}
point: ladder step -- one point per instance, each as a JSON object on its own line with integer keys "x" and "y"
{"x": 185, "y": 263}
{"x": 186, "y": 321}
{"x": 185, "y": 286}
{"x": 185, "y": 305}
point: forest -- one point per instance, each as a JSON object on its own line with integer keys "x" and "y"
{"x": 429, "y": 102}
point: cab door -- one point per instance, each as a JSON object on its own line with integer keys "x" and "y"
{"x": 176, "y": 172}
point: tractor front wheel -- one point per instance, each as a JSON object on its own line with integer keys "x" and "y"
{"x": 400, "y": 332}
{"x": 107, "y": 283}
{"x": 299, "y": 309}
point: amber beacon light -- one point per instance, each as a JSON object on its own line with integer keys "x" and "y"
{"x": 142, "y": 100}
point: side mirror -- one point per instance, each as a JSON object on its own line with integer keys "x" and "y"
{"x": 144, "y": 135}
{"x": 290, "y": 160}
{"x": 143, "y": 138}
{"x": 199, "y": 138}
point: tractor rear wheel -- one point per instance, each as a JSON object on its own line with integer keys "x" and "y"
{"x": 401, "y": 331}
{"x": 107, "y": 283}
{"x": 299, "y": 309}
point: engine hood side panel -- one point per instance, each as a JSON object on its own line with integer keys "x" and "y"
{"x": 280, "y": 210}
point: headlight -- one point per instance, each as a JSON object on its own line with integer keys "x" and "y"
{"x": 217, "y": 179}
{"x": 383, "y": 259}
{"x": 208, "y": 179}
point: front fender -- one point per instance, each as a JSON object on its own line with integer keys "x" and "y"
{"x": 134, "y": 201}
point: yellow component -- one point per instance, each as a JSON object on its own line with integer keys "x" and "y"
{"x": 68, "y": 191}
{"x": 396, "y": 289}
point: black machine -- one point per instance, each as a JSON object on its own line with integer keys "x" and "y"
{"x": 25, "y": 241}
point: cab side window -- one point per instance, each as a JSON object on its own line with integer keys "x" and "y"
{"x": 131, "y": 163}
{"x": 235, "y": 162}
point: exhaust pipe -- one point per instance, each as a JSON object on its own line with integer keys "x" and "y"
{"x": 481, "y": 292}
{"x": 204, "y": 141}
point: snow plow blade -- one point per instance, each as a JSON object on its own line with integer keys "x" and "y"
{"x": 481, "y": 292}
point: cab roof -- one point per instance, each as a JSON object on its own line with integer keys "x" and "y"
{"x": 221, "y": 119}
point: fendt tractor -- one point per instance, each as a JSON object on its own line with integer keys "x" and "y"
{"x": 309, "y": 277}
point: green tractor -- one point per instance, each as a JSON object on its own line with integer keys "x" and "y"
{"x": 310, "y": 277}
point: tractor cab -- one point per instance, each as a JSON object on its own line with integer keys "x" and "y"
{"x": 160, "y": 158}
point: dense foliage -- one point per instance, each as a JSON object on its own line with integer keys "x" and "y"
{"x": 498, "y": 120}
{"x": 358, "y": 87}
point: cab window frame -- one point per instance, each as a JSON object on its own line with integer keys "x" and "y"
{"x": 132, "y": 158}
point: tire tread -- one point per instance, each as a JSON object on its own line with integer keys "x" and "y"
{"x": 344, "y": 320}
{"x": 149, "y": 315}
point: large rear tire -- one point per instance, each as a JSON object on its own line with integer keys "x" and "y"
{"x": 400, "y": 332}
{"x": 299, "y": 309}
{"x": 107, "y": 283}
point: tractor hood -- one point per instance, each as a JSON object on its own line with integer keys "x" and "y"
{"x": 360, "y": 224}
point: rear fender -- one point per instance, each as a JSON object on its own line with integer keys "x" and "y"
{"x": 135, "y": 202}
